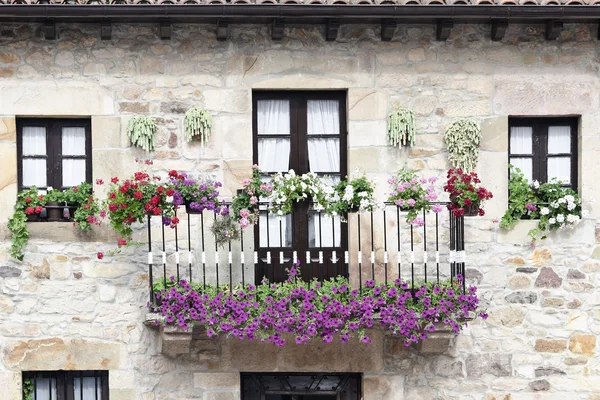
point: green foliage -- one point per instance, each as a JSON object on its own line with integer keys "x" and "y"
{"x": 78, "y": 195}
{"x": 56, "y": 196}
{"x": 141, "y": 131}
{"x": 20, "y": 234}
{"x": 401, "y": 127}
{"x": 556, "y": 206}
{"x": 198, "y": 122}
{"x": 27, "y": 389}
{"x": 520, "y": 193}
{"x": 462, "y": 140}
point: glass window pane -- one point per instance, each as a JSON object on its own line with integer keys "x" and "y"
{"x": 521, "y": 140}
{"x": 73, "y": 172}
{"x": 273, "y": 117}
{"x": 278, "y": 233}
{"x": 525, "y": 165}
{"x": 323, "y": 231}
{"x": 559, "y": 139}
{"x": 324, "y": 154}
{"x": 45, "y": 388}
{"x": 73, "y": 141}
{"x": 34, "y": 140}
{"x": 34, "y": 172}
{"x": 323, "y": 117}
{"x": 274, "y": 154}
{"x": 90, "y": 390}
{"x": 559, "y": 168}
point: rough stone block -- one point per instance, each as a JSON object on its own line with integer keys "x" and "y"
{"x": 583, "y": 344}
{"x": 217, "y": 380}
{"x": 550, "y": 345}
{"x": 174, "y": 341}
{"x": 383, "y": 387}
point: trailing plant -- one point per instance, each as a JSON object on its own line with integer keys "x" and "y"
{"x": 556, "y": 206}
{"x": 197, "y": 195}
{"x": 401, "y": 127}
{"x": 245, "y": 204}
{"x": 465, "y": 192}
{"x": 141, "y": 131}
{"x": 317, "y": 311}
{"x": 198, "y": 123}
{"x": 462, "y": 140}
{"x": 413, "y": 194}
{"x": 225, "y": 229}
{"x": 522, "y": 199}
{"x": 86, "y": 214}
{"x": 353, "y": 195}
{"x": 79, "y": 194}
{"x": 29, "y": 202}
{"x": 289, "y": 188}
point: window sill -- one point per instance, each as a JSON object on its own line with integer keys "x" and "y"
{"x": 66, "y": 232}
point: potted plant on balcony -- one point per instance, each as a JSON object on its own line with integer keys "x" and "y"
{"x": 196, "y": 195}
{"x": 413, "y": 194}
{"x": 290, "y": 188}
{"x": 466, "y": 193}
{"x": 245, "y": 204}
{"x": 55, "y": 200}
{"x": 348, "y": 196}
{"x": 132, "y": 200}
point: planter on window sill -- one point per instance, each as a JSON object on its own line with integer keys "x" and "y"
{"x": 54, "y": 210}
{"x": 190, "y": 210}
{"x": 472, "y": 210}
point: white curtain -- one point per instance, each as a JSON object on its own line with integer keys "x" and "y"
{"x": 521, "y": 143}
{"x": 324, "y": 156}
{"x": 45, "y": 388}
{"x": 323, "y": 117}
{"x": 88, "y": 390}
{"x": 559, "y": 142}
{"x": 34, "y": 143}
{"x": 273, "y": 118}
{"x": 73, "y": 144}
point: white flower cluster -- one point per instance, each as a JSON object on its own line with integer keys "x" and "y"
{"x": 559, "y": 217}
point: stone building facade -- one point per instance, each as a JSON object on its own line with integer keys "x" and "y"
{"x": 62, "y": 309}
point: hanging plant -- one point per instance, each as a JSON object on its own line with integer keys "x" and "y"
{"x": 141, "y": 131}
{"x": 401, "y": 127}
{"x": 462, "y": 140}
{"x": 198, "y": 123}
{"x": 225, "y": 229}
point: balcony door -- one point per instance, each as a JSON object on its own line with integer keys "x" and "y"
{"x": 306, "y": 132}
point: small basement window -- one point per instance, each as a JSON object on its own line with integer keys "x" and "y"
{"x": 65, "y": 385}
{"x": 301, "y": 386}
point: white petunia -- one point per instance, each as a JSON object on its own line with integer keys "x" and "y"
{"x": 545, "y": 211}
{"x": 561, "y": 200}
{"x": 571, "y": 206}
{"x": 551, "y": 221}
{"x": 536, "y": 184}
{"x": 560, "y": 218}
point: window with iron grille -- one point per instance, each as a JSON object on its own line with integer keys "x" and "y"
{"x": 54, "y": 153}
{"x": 301, "y": 386}
{"x": 304, "y": 131}
{"x": 65, "y": 385}
{"x": 545, "y": 148}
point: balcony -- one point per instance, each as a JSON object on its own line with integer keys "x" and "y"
{"x": 378, "y": 245}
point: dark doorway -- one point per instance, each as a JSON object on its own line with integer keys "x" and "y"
{"x": 300, "y": 386}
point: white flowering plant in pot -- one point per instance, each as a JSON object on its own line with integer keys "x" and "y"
{"x": 555, "y": 206}
{"x": 290, "y": 187}
{"x": 356, "y": 194}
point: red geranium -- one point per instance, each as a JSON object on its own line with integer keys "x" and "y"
{"x": 28, "y": 199}
{"x": 29, "y": 210}
{"x": 138, "y": 195}
{"x": 465, "y": 192}
{"x": 39, "y": 209}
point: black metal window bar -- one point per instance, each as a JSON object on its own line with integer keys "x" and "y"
{"x": 65, "y": 385}
{"x": 300, "y": 386}
{"x": 382, "y": 247}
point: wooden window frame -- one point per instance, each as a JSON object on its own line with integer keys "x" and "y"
{"x": 65, "y": 382}
{"x": 54, "y": 155}
{"x": 299, "y": 161}
{"x": 539, "y": 154}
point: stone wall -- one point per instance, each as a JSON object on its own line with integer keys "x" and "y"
{"x": 63, "y": 309}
